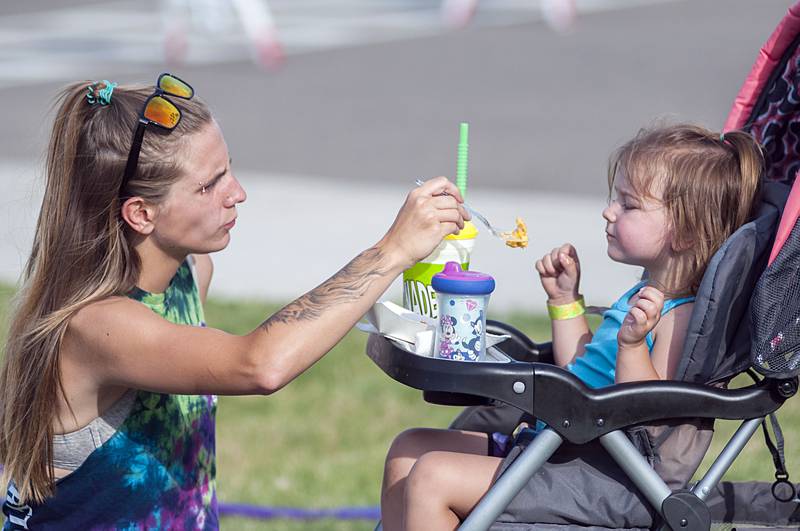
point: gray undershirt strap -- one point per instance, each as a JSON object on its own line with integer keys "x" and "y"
{"x": 70, "y": 450}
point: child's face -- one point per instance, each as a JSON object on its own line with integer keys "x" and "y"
{"x": 637, "y": 228}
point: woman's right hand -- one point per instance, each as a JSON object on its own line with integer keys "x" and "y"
{"x": 430, "y": 212}
{"x": 560, "y": 273}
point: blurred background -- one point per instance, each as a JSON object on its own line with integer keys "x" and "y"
{"x": 368, "y": 98}
{"x": 331, "y": 109}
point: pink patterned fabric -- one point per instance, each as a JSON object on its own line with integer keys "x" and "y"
{"x": 768, "y": 58}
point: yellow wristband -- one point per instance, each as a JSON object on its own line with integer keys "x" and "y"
{"x": 566, "y": 311}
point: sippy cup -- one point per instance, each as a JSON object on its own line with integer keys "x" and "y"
{"x": 463, "y": 297}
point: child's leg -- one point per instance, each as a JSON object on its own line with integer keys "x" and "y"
{"x": 444, "y": 487}
{"x": 406, "y": 449}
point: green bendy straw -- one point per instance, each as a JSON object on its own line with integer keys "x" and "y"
{"x": 463, "y": 156}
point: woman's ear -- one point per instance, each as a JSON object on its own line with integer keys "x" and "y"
{"x": 139, "y": 215}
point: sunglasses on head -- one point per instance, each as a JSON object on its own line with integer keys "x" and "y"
{"x": 157, "y": 110}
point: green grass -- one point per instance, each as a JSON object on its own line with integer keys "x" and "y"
{"x": 321, "y": 441}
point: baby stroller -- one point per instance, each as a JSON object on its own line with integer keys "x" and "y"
{"x": 622, "y": 457}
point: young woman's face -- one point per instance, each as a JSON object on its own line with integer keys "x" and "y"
{"x": 637, "y": 228}
{"x": 200, "y": 209}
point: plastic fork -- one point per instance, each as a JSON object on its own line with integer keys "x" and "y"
{"x": 502, "y": 234}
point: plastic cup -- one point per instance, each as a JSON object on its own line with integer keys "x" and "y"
{"x": 463, "y": 299}
{"x": 418, "y": 295}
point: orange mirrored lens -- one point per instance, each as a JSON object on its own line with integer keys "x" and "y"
{"x": 162, "y": 112}
{"x": 176, "y": 87}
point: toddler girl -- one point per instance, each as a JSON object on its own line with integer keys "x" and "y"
{"x": 676, "y": 194}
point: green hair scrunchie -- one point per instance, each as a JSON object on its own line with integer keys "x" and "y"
{"x": 100, "y": 95}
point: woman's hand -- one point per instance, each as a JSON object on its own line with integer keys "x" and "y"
{"x": 560, "y": 273}
{"x": 642, "y": 317}
{"x": 431, "y": 212}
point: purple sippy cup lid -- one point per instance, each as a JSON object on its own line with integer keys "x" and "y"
{"x": 453, "y": 280}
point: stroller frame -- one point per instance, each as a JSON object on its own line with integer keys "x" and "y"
{"x": 680, "y": 510}
{"x": 540, "y": 389}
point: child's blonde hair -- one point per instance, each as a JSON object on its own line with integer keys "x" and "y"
{"x": 709, "y": 184}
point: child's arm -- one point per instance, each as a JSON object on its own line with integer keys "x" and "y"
{"x": 560, "y": 273}
{"x": 634, "y": 361}
{"x": 669, "y": 337}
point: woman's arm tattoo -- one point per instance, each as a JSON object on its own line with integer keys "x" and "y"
{"x": 348, "y": 285}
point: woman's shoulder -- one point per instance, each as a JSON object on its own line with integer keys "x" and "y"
{"x": 105, "y": 315}
{"x": 90, "y": 332}
{"x": 104, "y": 306}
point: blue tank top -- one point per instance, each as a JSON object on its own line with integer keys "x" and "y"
{"x": 598, "y": 365}
{"x": 157, "y": 471}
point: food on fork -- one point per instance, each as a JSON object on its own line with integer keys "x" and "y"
{"x": 517, "y": 237}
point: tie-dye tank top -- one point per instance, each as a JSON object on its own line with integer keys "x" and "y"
{"x": 157, "y": 471}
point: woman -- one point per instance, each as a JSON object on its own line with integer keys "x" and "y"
{"x": 106, "y": 395}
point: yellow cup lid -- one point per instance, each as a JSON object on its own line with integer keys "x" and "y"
{"x": 467, "y": 233}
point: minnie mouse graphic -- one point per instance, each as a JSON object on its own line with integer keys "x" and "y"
{"x": 449, "y": 340}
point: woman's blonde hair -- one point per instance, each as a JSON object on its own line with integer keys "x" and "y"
{"x": 82, "y": 252}
{"x": 709, "y": 184}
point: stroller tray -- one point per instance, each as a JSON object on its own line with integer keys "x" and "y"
{"x": 450, "y": 382}
{"x": 552, "y": 394}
